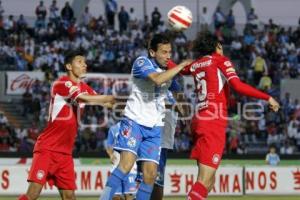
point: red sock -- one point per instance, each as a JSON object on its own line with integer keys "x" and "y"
{"x": 198, "y": 192}
{"x": 23, "y": 197}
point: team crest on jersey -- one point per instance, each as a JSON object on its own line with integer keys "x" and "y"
{"x": 131, "y": 142}
{"x": 68, "y": 84}
{"x": 140, "y": 62}
{"x": 40, "y": 174}
{"x": 216, "y": 158}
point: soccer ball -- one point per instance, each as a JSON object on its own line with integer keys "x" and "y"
{"x": 180, "y": 18}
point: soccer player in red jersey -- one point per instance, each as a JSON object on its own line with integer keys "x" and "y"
{"x": 213, "y": 74}
{"x": 52, "y": 154}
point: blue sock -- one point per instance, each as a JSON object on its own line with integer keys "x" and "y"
{"x": 112, "y": 184}
{"x": 144, "y": 192}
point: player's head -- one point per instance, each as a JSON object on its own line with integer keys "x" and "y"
{"x": 160, "y": 49}
{"x": 272, "y": 149}
{"x": 75, "y": 63}
{"x": 206, "y": 44}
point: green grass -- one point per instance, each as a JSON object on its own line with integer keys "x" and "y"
{"x": 104, "y": 161}
{"x": 183, "y": 198}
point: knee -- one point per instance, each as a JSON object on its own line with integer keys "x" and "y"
{"x": 150, "y": 176}
{"x": 125, "y": 166}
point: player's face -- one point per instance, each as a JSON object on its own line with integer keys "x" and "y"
{"x": 163, "y": 54}
{"x": 78, "y": 67}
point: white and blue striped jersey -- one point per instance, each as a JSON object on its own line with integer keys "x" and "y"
{"x": 146, "y": 102}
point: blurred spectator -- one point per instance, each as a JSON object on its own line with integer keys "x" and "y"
{"x": 111, "y": 9}
{"x": 27, "y": 102}
{"x": 204, "y": 19}
{"x": 219, "y": 18}
{"x": 21, "y": 23}
{"x": 259, "y": 68}
{"x": 9, "y": 24}
{"x": 21, "y": 133}
{"x": 123, "y": 20}
{"x": 1, "y": 9}
{"x": 287, "y": 148}
{"x": 265, "y": 83}
{"x": 67, "y": 13}
{"x": 155, "y": 18}
{"x": 272, "y": 158}
{"x": 41, "y": 11}
{"x": 86, "y": 17}
{"x": 3, "y": 119}
{"x": 230, "y": 20}
{"x": 54, "y": 14}
{"x": 252, "y": 19}
{"x": 133, "y": 20}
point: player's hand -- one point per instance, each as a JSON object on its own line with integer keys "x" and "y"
{"x": 185, "y": 63}
{"x": 274, "y": 105}
{"x": 113, "y": 158}
{"x": 108, "y": 105}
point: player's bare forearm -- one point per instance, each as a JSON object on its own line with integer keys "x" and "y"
{"x": 104, "y": 100}
{"x": 160, "y": 78}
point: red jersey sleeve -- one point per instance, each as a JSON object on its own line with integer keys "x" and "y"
{"x": 185, "y": 71}
{"x": 89, "y": 90}
{"x": 227, "y": 69}
{"x": 171, "y": 64}
{"x": 66, "y": 89}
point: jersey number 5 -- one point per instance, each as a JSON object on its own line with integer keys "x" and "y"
{"x": 201, "y": 86}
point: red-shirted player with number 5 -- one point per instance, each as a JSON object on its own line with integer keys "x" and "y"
{"x": 213, "y": 73}
{"x": 52, "y": 154}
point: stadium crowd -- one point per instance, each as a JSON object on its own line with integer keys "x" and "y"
{"x": 264, "y": 54}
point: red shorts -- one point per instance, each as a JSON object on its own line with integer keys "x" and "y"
{"x": 55, "y": 168}
{"x": 209, "y": 142}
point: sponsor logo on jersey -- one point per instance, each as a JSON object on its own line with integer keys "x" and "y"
{"x": 200, "y": 64}
{"x": 131, "y": 142}
{"x": 40, "y": 174}
{"x": 216, "y": 159}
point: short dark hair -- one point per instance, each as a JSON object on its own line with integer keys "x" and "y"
{"x": 158, "y": 39}
{"x": 205, "y": 44}
{"x": 70, "y": 55}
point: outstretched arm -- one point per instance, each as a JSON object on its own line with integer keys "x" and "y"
{"x": 250, "y": 91}
{"x": 103, "y": 100}
{"x": 162, "y": 77}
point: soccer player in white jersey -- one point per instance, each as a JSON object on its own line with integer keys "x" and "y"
{"x": 140, "y": 129}
{"x": 129, "y": 186}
